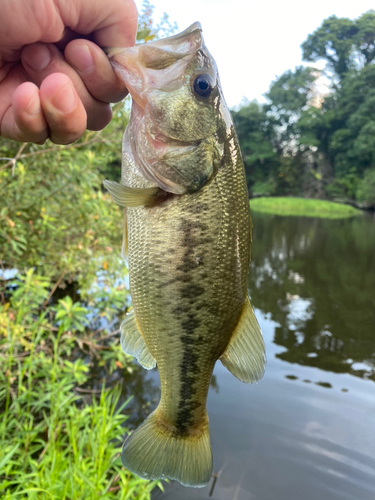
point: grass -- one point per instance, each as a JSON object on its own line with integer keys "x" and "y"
{"x": 55, "y": 443}
{"x": 302, "y": 207}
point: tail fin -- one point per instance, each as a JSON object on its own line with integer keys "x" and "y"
{"x": 154, "y": 452}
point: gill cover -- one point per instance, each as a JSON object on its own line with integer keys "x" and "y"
{"x": 176, "y": 110}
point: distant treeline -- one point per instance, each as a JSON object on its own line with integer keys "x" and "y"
{"x": 316, "y": 135}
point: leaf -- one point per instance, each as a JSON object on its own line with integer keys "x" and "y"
{"x": 10, "y": 222}
{"x": 7, "y": 457}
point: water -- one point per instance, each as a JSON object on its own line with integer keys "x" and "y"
{"x": 307, "y": 430}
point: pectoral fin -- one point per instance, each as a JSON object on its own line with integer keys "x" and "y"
{"x": 245, "y": 355}
{"x": 133, "y": 343}
{"x": 131, "y": 197}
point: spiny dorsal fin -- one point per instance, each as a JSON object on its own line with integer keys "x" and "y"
{"x": 133, "y": 343}
{"x": 245, "y": 355}
{"x": 131, "y": 197}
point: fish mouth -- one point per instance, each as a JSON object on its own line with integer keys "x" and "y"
{"x": 157, "y": 155}
{"x": 168, "y": 145}
{"x": 170, "y": 154}
{"x": 161, "y": 166}
{"x": 151, "y": 65}
{"x": 148, "y": 70}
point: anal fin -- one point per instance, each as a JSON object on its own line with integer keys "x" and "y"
{"x": 133, "y": 343}
{"x": 245, "y": 355}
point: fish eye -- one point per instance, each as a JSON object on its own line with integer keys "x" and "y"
{"x": 203, "y": 85}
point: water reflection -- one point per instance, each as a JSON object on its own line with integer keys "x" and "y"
{"x": 142, "y": 386}
{"x": 316, "y": 279}
{"x": 135, "y": 383}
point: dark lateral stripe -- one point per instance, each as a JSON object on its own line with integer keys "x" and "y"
{"x": 190, "y": 292}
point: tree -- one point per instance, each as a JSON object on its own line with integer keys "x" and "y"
{"x": 290, "y": 94}
{"x": 256, "y": 134}
{"x": 333, "y": 41}
{"x": 323, "y": 143}
{"x": 365, "y": 36}
{"x": 343, "y": 43}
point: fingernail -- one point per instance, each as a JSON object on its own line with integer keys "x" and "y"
{"x": 65, "y": 100}
{"x": 82, "y": 58}
{"x": 33, "y": 108}
{"x": 37, "y": 57}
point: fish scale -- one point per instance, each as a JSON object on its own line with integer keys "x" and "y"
{"x": 188, "y": 231}
{"x": 222, "y": 289}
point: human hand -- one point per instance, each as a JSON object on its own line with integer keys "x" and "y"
{"x": 52, "y": 82}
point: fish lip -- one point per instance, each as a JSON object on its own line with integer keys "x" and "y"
{"x": 160, "y": 138}
{"x": 176, "y": 144}
{"x": 131, "y": 63}
{"x": 176, "y": 148}
{"x": 150, "y": 146}
{"x": 112, "y": 52}
{"x": 196, "y": 26}
{"x": 119, "y": 70}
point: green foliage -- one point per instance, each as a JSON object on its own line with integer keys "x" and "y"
{"x": 366, "y": 188}
{"x": 54, "y": 215}
{"x": 344, "y": 187}
{"x": 289, "y": 175}
{"x": 256, "y": 135}
{"x": 290, "y": 93}
{"x": 364, "y": 38}
{"x": 343, "y": 43}
{"x": 61, "y": 233}
{"x": 302, "y": 207}
{"x": 333, "y": 41}
{"x": 54, "y": 445}
{"x": 147, "y": 30}
{"x": 322, "y": 143}
{"x": 266, "y": 188}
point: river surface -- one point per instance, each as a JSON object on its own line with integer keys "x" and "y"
{"x": 307, "y": 429}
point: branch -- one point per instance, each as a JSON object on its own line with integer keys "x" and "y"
{"x": 59, "y": 148}
{"x": 53, "y": 290}
{"x": 13, "y": 161}
{"x": 20, "y": 156}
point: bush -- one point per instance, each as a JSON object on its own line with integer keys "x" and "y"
{"x": 366, "y": 188}
{"x": 54, "y": 446}
{"x": 266, "y": 188}
{"x": 54, "y": 215}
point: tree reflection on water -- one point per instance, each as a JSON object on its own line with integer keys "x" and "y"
{"x": 316, "y": 279}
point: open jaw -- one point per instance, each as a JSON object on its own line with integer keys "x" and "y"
{"x": 159, "y": 158}
{"x": 154, "y": 69}
{"x": 162, "y": 166}
{"x": 160, "y": 64}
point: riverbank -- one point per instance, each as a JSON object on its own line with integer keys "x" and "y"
{"x": 303, "y": 207}
{"x": 63, "y": 414}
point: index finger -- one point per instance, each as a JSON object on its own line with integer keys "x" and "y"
{"x": 113, "y": 23}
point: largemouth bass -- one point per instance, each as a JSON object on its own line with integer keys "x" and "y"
{"x": 188, "y": 234}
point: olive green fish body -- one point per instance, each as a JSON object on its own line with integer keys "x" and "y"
{"x": 188, "y": 262}
{"x": 188, "y": 233}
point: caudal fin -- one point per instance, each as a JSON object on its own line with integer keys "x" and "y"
{"x": 155, "y": 452}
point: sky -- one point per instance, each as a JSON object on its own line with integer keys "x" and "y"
{"x": 255, "y": 41}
